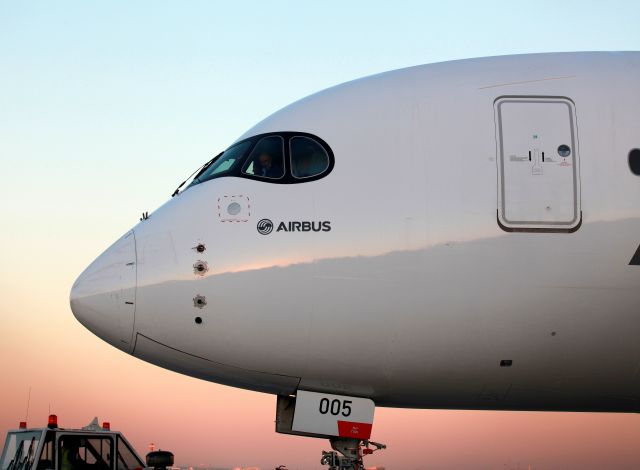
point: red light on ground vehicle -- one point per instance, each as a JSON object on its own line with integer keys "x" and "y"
{"x": 23, "y": 425}
{"x": 106, "y": 425}
{"x": 53, "y": 422}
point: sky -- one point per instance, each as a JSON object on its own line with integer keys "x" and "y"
{"x": 105, "y": 107}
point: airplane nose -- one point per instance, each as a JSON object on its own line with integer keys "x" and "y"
{"x": 103, "y": 297}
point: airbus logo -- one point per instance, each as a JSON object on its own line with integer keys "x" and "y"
{"x": 265, "y": 226}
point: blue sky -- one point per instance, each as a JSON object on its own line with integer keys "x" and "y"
{"x": 123, "y": 88}
{"x": 174, "y": 82}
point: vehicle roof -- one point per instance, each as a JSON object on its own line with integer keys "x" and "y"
{"x": 85, "y": 431}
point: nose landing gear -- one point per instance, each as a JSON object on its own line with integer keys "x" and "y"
{"x": 345, "y": 420}
{"x": 352, "y": 450}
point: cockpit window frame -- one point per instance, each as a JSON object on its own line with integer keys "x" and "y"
{"x": 290, "y": 142}
{"x": 226, "y": 172}
{"x": 237, "y": 169}
{"x": 246, "y": 163}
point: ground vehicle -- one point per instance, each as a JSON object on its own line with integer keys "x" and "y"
{"x": 93, "y": 447}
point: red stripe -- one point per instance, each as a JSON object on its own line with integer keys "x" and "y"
{"x": 353, "y": 429}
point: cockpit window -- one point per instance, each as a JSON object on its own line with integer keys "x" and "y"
{"x": 267, "y": 158}
{"x": 277, "y": 158}
{"x": 224, "y": 162}
{"x": 308, "y": 158}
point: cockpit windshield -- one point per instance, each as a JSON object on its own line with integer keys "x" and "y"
{"x": 225, "y": 162}
{"x": 274, "y": 157}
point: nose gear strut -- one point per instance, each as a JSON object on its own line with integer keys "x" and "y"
{"x": 352, "y": 450}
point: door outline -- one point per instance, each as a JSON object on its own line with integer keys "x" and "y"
{"x": 536, "y": 226}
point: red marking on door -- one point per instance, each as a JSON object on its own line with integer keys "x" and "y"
{"x": 353, "y": 429}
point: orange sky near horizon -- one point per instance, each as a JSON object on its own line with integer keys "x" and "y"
{"x": 79, "y": 376}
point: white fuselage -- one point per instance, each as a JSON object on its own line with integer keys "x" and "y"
{"x": 417, "y": 294}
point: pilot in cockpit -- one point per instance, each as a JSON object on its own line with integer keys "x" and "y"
{"x": 264, "y": 166}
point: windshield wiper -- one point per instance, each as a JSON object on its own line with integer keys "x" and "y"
{"x": 197, "y": 173}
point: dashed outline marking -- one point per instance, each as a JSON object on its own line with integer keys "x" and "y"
{"x": 233, "y": 219}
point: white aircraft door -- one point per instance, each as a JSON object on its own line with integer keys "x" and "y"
{"x": 538, "y": 175}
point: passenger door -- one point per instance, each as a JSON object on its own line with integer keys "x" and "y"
{"x": 538, "y": 175}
